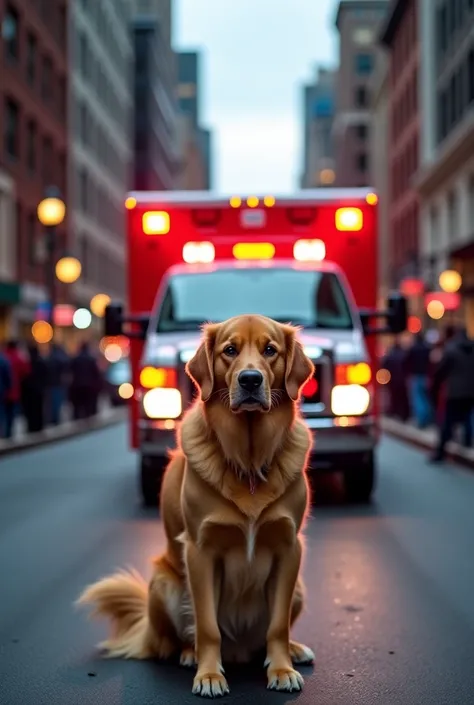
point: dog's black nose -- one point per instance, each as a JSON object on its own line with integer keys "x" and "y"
{"x": 250, "y": 380}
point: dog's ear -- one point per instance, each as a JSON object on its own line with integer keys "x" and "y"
{"x": 299, "y": 367}
{"x": 201, "y": 366}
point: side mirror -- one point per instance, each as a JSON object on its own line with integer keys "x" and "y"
{"x": 113, "y": 320}
{"x": 396, "y": 316}
{"x": 397, "y": 313}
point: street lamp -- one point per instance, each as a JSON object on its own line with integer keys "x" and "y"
{"x": 51, "y": 213}
{"x": 68, "y": 269}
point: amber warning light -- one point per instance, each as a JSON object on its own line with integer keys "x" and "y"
{"x": 156, "y": 223}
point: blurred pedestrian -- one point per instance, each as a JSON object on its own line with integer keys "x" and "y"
{"x": 5, "y": 386}
{"x": 57, "y": 380}
{"x": 456, "y": 370}
{"x": 86, "y": 383}
{"x": 34, "y": 391}
{"x": 394, "y": 362}
{"x": 20, "y": 368}
{"x": 417, "y": 367}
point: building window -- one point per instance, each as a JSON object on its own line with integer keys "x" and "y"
{"x": 362, "y": 132}
{"x": 48, "y": 161}
{"x": 364, "y": 64}
{"x": 361, "y": 97}
{"x": 83, "y": 190}
{"x": 10, "y": 33}
{"x": 12, "y": 128}
{"x": 31, "y": 239}
{"x": 361, "y": 162}
{"x": 31, "y": 145}
{"x": 31, "y": 45}
{"x": 470, "y": 72}
{"x": 47, "y": 78}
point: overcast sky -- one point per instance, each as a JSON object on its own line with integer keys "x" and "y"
{"x": 256, "y": 56}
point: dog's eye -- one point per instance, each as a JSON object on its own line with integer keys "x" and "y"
{"x": 230, "y": 351}
{"x": 270, "y": 351}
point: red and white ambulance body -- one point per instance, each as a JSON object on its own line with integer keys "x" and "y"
{"x": 309, "y": 259}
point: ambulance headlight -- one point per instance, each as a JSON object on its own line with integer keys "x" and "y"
{"x": 349, "y": 400}
{"x": 161, "y": 403}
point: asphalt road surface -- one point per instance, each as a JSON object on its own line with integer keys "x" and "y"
{"x": 390, "y": 588}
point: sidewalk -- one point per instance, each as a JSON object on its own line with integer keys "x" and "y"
{"x": 426, "y": 440}
{"x": 107, "y": 416}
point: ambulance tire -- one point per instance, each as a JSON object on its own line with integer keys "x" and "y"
{"x": 359, "y": 480}
{"x": 151, "y": 474}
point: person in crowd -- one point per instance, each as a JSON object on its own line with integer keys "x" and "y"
{"x": 58, "y": 367}
{"x": 439, "y": 400}
{"x": 86, "y": 383}
{"x": 456, "y": 371}
{"x": 394, "y": 362}
{"x": 5, "y": 386}
{"x": 417, "y": 367}
{"x": 20, "y": 368}
{"x": 33, "y": 392}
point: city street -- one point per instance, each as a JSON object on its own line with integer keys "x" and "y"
{"x": 390, "y": 588}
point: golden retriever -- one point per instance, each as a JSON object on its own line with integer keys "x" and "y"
{"x": 233, "y": 502}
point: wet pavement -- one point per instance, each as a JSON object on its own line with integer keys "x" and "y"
{"x": 390, "y": 587}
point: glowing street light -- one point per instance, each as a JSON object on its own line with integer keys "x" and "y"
{"x": 68, "y": 269}
{"x": 51, "y": 211}
{"x": 98, "y": 304}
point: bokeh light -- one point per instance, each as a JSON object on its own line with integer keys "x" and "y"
{"x": 450, "y": 281}
{"x": 125, "y": 390}
{"x": 113, "y": 352}
{"x": 435, "y": 310}
{"x": 98, "y": 304}
{"x": 383, "y": 376}
{"x": 51, "y": 211}
{"x": 68, "y": 270}
{"x": 82, "y": 318}
{"x": 414, "y": 324}
{"x": 42, "y": 332}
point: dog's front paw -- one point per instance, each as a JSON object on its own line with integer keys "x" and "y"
{"x": 187, "y": 657}
{"x": 210, "y": 685}
{"x": 284, "y": 679}
{"x": 300, "y": 653}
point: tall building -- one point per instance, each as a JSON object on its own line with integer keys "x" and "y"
{"x": 357, "y": 22}
{"x": 33, "y": 150}
{"x": 318, "y": 147}
{"x": 400, "y": 36}
{"x": 380, "y": 149}
{"x": 445, "y": 180}
{"x": 100, "y": 104}
{"x": 156, "y": 132}
{"x": 196, "y": 140}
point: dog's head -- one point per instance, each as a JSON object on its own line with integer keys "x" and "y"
{"x": 250, "y": 363}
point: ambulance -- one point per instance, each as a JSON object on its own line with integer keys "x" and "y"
{"x": 309, "y": 259}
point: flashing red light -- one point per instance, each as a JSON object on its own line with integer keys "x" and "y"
{"x": 310, "y": 388}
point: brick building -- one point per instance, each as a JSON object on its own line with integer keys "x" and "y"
{"x": 400, "y": 36}
{"x": 33, "y": 150}
{"x": 357, "y": 22}
{"x": 445, "y": 180}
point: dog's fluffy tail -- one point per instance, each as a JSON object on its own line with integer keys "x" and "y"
{"x": 123, "y": 599}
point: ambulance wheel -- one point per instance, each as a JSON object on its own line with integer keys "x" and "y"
{"x": 359, "y": 480}
{"x": 151, "y": 472}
